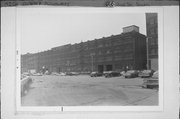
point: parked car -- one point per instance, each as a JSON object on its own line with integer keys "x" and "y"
{"x": 146, "y": 73}
{"x": 96, "y": 74}
{"x": 55, "y": 74}
{"x": 131, "y": 74}
{"x": 122, "y": 73}
{"x": 152, "y": 82}
{"x": 156, "y": 74}
{"x": 85, "y": 73}
{"x": 105, "y": 72}
{"x": 72, "y": 73}
{"x": 26, "y": 74}
{"x": 112, "y": 74}
{"x": 62, "y": 74}
{"x": 37, "y": 74}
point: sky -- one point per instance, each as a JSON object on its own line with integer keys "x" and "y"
{"x": 42, "y": 30}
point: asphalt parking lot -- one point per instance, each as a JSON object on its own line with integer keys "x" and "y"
{"x": 84, "y": 90}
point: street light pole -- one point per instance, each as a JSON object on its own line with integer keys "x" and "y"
{"x": 92, "y": 63}
{"x": 147, "y": 51}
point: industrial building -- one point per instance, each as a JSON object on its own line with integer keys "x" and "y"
{"x": 152, "y": 37}
{"x": 117, "y": 52}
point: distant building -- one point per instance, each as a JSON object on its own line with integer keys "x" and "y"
{"x": 152, "y": 35}
{"x": 29, "y": 62}
{"x": 117, "y": 52}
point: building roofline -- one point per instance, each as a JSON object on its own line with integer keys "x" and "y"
{"x": 96, "y": 39}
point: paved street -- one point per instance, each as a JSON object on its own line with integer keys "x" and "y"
{"x": 85, "y": 90}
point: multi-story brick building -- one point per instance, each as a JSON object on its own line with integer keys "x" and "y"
{"x": 117, "y": 52}
{"x": 29, "y": 62}
{"x": 152, "y": 35}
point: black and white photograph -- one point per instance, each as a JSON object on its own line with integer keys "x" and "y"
{"x": 88, "y": 58}
{"x": 59, "y": 62}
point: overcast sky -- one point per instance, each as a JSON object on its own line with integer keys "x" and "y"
{"x": 42, "y": 30}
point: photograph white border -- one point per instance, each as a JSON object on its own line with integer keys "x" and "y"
{"x": 171, "y": 73}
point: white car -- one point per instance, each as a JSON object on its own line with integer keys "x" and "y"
{"x": 62, "y": 74}
{"x": 37, "y": 74}
{"x": 152, "y": 82}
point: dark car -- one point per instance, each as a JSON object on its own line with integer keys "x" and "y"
{"x": 71, "y": 73}
{"x": 131, "y": 74}
{"x": 112, "y": 74}
{"x": 152, "y": 82}
{"x": 105, "y": 72}
{"x": 96, "y": 74}
{"x": 146, "y": 73}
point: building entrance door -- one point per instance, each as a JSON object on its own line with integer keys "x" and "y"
{"x": 109, "y": 68}
{"x": 59, "y": 69}
{"x": 100, "y": 68}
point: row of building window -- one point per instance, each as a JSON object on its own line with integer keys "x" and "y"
{"x": 90, "y": 60}
{"x": 100, "y": 45}
{"x": 153, "y": 51}
{"x": 67, "y": 54}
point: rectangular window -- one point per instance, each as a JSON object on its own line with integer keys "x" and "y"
{"x": 152, "y": 31}
{"x": 108, "y": 59}
{"x": 118, "y": 58}
{"x": 100, "y": 59}
{"x": 151, "y": 21}
{"x": 100, "y": 45}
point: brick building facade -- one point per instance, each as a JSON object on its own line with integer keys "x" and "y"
{"x": 152, "y": 35}
{"x": 117, "y": 52}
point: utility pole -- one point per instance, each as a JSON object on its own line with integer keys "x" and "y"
{"x": 92, "y": 62}
{"x": 147, "y": 51}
